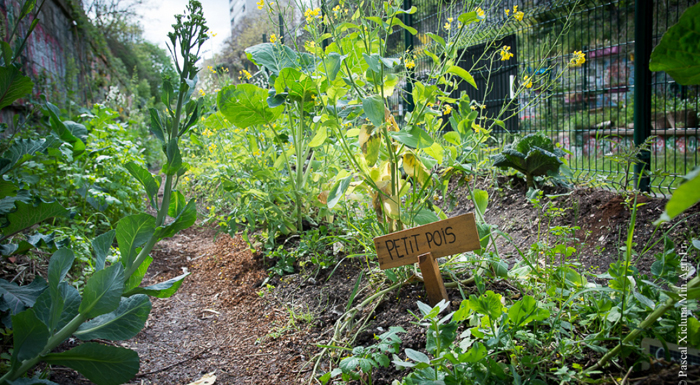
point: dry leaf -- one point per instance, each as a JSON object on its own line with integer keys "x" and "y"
{"x": 207, "y": 379}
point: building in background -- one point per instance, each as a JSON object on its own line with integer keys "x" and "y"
{"x": 240, "y": 9}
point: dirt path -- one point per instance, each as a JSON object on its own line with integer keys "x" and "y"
{"x": 216, "y": 322}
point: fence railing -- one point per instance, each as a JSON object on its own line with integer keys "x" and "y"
{"x": 591, "y": 110}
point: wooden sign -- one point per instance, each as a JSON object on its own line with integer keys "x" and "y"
{"x": 447, "y": 237}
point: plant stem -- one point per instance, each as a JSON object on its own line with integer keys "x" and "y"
{"x": 651, "y": 318}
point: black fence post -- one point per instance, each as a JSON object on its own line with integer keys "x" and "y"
{"x": 643, "y": 23}
{"x": 408, "y": 42}
{"x": 324, "y": 12}
{"x": 281, "y": 21}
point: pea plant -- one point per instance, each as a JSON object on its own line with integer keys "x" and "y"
{"x": 113, "y": 305}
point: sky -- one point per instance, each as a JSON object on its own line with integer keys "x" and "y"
{"x": 159, "y": 15}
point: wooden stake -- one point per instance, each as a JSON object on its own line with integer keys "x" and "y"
{"x": 432, "y": 279}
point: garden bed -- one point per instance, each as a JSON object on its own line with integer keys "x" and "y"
{"x": 225, "y": 320}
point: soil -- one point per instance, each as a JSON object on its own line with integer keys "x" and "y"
{"x": 227, "y": 319}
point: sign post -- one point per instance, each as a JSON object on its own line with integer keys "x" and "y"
{"x": 424, "y": 244}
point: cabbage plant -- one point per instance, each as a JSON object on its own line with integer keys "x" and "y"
{"x": 533, "y": 155}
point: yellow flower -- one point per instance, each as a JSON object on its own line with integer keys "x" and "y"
{"x": 448, "y": 109}
{"x": 449, "y": 19}
{"x": 410, "y": 64}
{"x": 273, "y": 38}
{"x": 480, "y": 13}
{"x": 515, "y": 8}
{"x": 527, "y": 81}
{"x": 578, "y": 59}
{"x": 472, "y": 107}
{"x": 507, "y": 11}
{"x": 311, "y": 14}
{"x": 310, "y": 46}
{"x": 505, "y": 53}
{"x": 244, "y": 73}
{"x": 201, "y": 92}
{"x": 210, "y": 68}
{"x": 447, "y": 26}
{"x": 260, "y": 4}
{"x": 518, "y": 15}
{"x": 478, "y": 129}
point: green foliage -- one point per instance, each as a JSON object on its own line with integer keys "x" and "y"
{"x": 365, "y": 359}
{"x": 678, "y": 53}
{"x": 533, "y": 155}
{"x": 45, "y": 315}
{"x": 685, "y": 196}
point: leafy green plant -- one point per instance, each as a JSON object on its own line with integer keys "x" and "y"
{"x": 363, "y": 359}
{"x": 677, "y": 53}
{"x": 533, "y": 155}
{"x": 113, "y": 306}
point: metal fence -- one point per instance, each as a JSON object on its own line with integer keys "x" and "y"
{"x": 591, "y": 109}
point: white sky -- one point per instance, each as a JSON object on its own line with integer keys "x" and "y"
{"x": 159, "y": 15}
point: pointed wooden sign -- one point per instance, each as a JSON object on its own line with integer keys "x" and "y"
{"x": 426, "y": 243}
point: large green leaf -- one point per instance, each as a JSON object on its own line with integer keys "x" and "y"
{"x": 487, "y": 304}
{"x": 542, "y": 162}
{"x": 246, "y": 105}
{"x": 526, "y": 311}
{"x": 17, "y": 298}
{"x": 23, "y": 150}
{"x": 13, "y": 85}
{"x": 146, "y": 179}
{"x": 678, "y": 52}
{"x": 56, "y": 314}
{"x": 133, "y": 231}
{"x": 174, "y": 158}
{"x": 101, "y": 364}
{"x": 160, "y": 290}
{"x": 374, "y": 109}
{"x": 332, "y": 64}
{"x": 462, "y": 73}
{"x": 137, "y": 276}
{"x": 481, "y": 200}
{"x": 27, "y": 215}
{"x": 185, "y": 219}
{"x": 103, "y": 291}
{"x": 320, "y": 137}
{"x": 101, "y": 246}
{"x": 533, "y": 155}
{"x": 59, "y": 265}
{"x": 685, "y": 196}
{"x": 29, "y": 334}
{"x": 177, "y": 204}
{"x": 298, "y": 85}
{"x": 425, "y": 216}
{"x": 69, "y": 132}
{"x": 121, "y": 324}
{"x": 274, "y": 57}
{"x": 337, "y": 191}
{"x": 414, "y": 137}
{"x": 476, "y": 353}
